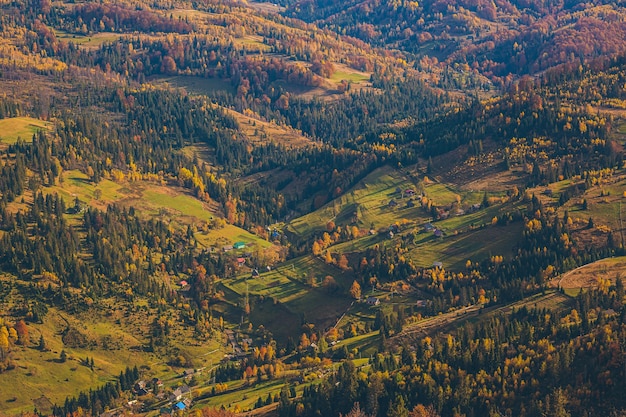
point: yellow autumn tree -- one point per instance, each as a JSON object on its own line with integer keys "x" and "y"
{"x": 328, "y": 258}
{"x": 355, "y": 290}
{"x": 343, "y": 263}
{"x": 317, "y": 249}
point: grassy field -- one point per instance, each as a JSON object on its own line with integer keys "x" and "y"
{"x": 445, "y": 194}
{"x": 244, "y": 397}
{"x": 36, "y": 371}
{"x": 551, "y": 300}
{"x": 368, "y": 200}
{"x": 477, "y": 218}
{"x": 357, "y": 79}
{"x": 76, "y": 184}
{"x": 196, "y": 85}
{"x": 587, "y": 276}
{"x": 152, "y": 199}
{"x": 368, "y": 204}
{"x": 366, "y": 344}
{"x": 453, "y": 251}
{"x": 21, "y": 127}
{"x": 252, "y": 43}
{"x": 113, "y": 334}
{"x": 90, "y": 41}
{"x": 350, "y": 76}
{"x": 286, "y": 298}
{"x": 604, "y": 203}
{"x": 182, "y": 204}
{"x": 603, "y": 200}
{"x": 441, "y": 194}
{"x": 360, "y": 244}
{"x": 230, "y": 234}
{"x": 261, "y": 132}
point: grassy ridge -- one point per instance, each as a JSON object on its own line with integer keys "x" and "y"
{"x": 93, "y": 41}
{"x": 21, "y": 127}
{"x": 37, "y": 371}
{"x": 454, "y": 251}
{"x": 368, "y": 200}
{"x": 152, "y": 199}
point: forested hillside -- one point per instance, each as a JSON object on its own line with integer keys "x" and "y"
{"x": 313, "y": 208}
{"x": 497, "y": 39}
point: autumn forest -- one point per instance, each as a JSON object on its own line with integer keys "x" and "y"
{"x": 312, "y": 208}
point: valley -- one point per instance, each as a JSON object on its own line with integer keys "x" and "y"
{"x": 311, "y": 208}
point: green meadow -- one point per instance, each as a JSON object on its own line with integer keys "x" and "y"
{"x": 94, "y": 40}
{"x": 367, "y": 202}
{"x": 21, "y": 127}
{"x": 293, "y": 293}
{"x": 152, "y": 199}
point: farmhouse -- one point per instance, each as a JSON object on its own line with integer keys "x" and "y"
{"x": 141, "y": 384}
{"x": 141, "y": 388}
{"x": 239, "y": 245}
{"x": 227, "y": 248}
{"x": 78, "y": 207}
{"x": 179, "y": 393}
{"x": 241, "y": 261}
{"x": 176, "y": 408}
{"x": 393, "y": 203}
{"x": 372, "y": 301}
{"x": 438, "y": 265}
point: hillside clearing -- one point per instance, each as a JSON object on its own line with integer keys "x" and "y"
{"x": 260, "y": 132}
{"x": 366, "y": 204}
{"x": 586, "y": 276}
{"x": 21, "y": 127}
{"x": 92, "y": 41}
{"x": 151, "y": 199}
{"x": 195, "y": 84}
